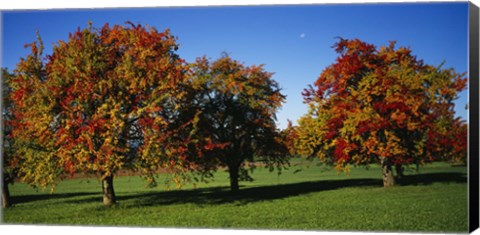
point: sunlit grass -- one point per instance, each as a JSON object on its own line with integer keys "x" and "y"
{"x": 314, "y": 198}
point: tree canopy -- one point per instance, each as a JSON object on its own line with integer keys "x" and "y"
{"x": 10, "y": 165}
{"x": 106, "y": 99}
{"x": 379, "y": 106}
{"x": 120, "y": 97}
{"x": 238, "y": 104}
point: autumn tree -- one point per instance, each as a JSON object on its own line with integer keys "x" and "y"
{"x": 238, "y": 104}
{"x": 450, "y": 141}
{"x": 289, "y": 136}
{"x": 28, "y": 128}
{"x": 19, "y": 139}
{"x": 379, "y": 106}
{"x": 106, "y": 99}
{"x": 9, "y": 170}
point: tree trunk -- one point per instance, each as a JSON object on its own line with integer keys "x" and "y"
{"x": 399, "y": 170}
{"x": 388, "y": 179}
{"x": 5, "y": 195}
{"x": 108, "y": 192}
{"x": 233, "y": 172}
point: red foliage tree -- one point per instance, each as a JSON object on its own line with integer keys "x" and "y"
{"x": 106, "y": 99}
{"x": 382, "y": 106}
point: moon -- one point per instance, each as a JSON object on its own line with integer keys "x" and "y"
{"x": 303, "y": 35}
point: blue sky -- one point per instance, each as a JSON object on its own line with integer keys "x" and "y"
{"x": 295, "y": 41}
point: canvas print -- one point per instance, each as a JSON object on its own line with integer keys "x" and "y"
{"x": 323, "y": 117}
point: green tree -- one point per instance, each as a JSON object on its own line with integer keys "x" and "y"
{"x": 237, "y": 106}
{"x": 106, "y": 99}
{"x": 378, "y": 106}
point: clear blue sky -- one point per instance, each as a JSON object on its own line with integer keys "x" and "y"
{"x": 294, "y": 42}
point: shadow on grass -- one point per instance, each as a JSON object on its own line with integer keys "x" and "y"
{"x": 221, "y": 195}
{"x": 41, "y": 197}
{"x": 429, "y": 178}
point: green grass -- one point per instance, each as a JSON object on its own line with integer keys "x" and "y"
{"x": 315, "y": 198}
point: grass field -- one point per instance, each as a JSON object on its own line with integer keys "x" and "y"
{"x": 315, "y": 198}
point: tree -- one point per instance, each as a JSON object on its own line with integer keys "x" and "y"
{"x": 378, "y": 106}
{"x": 9, "y": 169}
{"x": 289, "y": 135}
{"x": 17, "y": 138}
{"x": 237, "y": 106}
{"x": 29, "y": 153}
{"x": 450, "y": 142}
{"x": 106, "y": 99}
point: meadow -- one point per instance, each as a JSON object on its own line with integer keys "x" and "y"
{"x": 306, "y": 196}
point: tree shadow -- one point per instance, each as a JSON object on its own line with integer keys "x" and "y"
{"x": 430, "y": 178}
{"x": 223, "y": 195}
{"x": 40, "y": 197}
